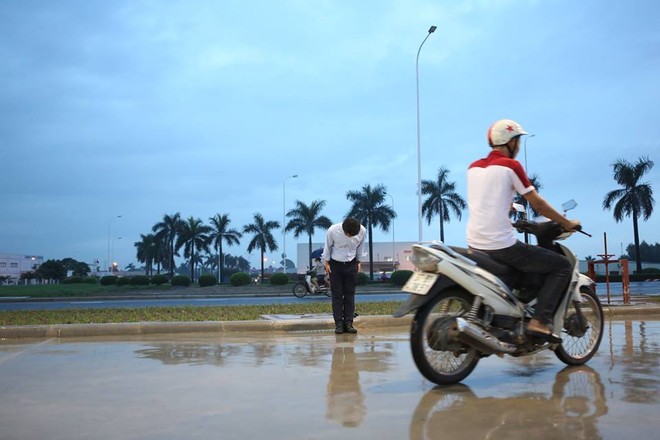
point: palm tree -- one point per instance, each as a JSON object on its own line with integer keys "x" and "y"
{"x": 634, "y": 198}
{"x": 167, "y": 230}
{"x": 305, "y": 219}
{"x": 221, "y": 232}
{"x": 442, "y": 199}
{"x": 263, "y": 238}
{"x": 146, "y": 251}
{"x": 369, "y": 208}
{"x": 536, "y": 181}
{"x": 193, "y": 236}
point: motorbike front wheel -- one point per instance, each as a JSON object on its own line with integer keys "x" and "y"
{"x": 580, "y": 342}
{"x": 427, "y": 339}
{"x": 300, "y": 290}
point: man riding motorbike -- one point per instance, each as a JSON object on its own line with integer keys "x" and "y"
{"x": 492, "y": 183}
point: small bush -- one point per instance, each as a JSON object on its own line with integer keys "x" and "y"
{"x": 181, "y": 281}
{"x": 400, "y": 277}
{"x": 72, "y": 280}
{"x": 207, "y": 280}
{"x": 109, "y": 280}
{"x": 159, "y": 279}
{"x": 139, "y": 280}
{"x": 90, "y": 280}
{"x": 279, "y": 279}
{"x": 123, "y": 281}
{"x": 240, "y": 279}
{"x": 362, "y": 278}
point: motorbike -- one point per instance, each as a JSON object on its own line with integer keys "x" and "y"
{"x": 306, "y": 287}
{"x": 468, "y": 306}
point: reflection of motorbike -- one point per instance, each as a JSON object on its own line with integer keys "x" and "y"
{"x": 571, "y": 410}
{"x": 306, "y": 287}
{"x": 465, "y": 308}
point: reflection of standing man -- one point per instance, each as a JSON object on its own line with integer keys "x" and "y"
{"x": 345, "y": 398}
{"x": 344, "y": 245}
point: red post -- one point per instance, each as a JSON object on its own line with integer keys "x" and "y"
{"x": 625, "y": 280}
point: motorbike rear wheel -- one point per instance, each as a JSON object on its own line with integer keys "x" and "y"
{"x": 437, "y": 365}
{"x": 578, "y": 344}
{"x": 300, "y": 290}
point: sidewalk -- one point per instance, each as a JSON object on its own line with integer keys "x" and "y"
{"x": 268, "y": 323}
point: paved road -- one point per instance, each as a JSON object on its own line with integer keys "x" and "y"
{"x": 640, "y": 288}
{"x": 316, "y": 385}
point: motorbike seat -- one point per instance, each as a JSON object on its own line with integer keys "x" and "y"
{"x": 506, "y": 273}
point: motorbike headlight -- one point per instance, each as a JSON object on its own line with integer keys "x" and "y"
{"x": 424, "y": 259}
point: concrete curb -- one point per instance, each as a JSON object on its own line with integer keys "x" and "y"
{"x": 286, "y": 325}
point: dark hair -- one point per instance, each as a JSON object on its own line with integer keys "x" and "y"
{"x": 351, "y": 226}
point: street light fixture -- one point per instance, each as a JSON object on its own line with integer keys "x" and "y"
{"x": 108, "y": 262}
{"x": 419, "y": 143}
{"x": 393, "y": 260}
{"x": 526, "y": 172}
{"x": 284, "y": 220}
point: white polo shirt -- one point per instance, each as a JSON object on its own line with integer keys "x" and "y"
{"x": 492, "y": 184}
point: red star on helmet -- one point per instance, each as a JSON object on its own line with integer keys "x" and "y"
{"x": 509, "y": 128}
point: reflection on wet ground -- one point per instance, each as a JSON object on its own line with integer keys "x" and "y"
{"x": 320, "y": 386}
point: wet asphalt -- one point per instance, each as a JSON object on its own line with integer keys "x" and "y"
{"x": 305, "y": 382}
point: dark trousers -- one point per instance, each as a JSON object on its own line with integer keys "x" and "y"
{"x": 343, "y": 279}
{"x": 534, "y": 259}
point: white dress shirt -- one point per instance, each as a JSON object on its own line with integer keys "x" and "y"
{"x": 339, "y": 247}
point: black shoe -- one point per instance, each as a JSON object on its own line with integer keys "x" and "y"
{"x": 339, "y": 328}
{"x": 348, "y": 328}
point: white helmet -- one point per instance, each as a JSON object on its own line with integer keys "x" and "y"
{"x": 503, "y": 131}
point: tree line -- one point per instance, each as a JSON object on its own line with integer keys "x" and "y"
{"x": 174, "y": 234}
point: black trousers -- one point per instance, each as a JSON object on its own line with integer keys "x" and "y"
{"x": 534, "y": 259}
{"x": 343, "y": 279}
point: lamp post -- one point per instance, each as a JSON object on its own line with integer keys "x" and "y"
{"x": 284, "y": 220}
{"x": 112, "y": 254}
{"x": 393, "y": 260}
{"x": 419, "y": 143}
{"x": 526, "y": 172}
{"x": 109, "y": 263}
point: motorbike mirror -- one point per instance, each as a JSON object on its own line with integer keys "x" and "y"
{"x": 567, "y": 206}
{"x": 518, "y": 207}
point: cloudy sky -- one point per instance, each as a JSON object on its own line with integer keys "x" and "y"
{"x": 146, "y": 108}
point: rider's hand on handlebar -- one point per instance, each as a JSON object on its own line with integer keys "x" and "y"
{"x": 572, "y": 225}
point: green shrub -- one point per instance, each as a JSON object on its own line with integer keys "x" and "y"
{"x": 240, "y": 279}
{"x": 90, "y": 280}
{"x": 180, "y": 280}
{"x": 109, "y": 280}
{"x": 207, "y": 280}
{"x": 139, "y": 280}
{"x": 123, "y": 281}
{"x": 399, "y": 277}
{"x": 72, "y": 280}
{"x": 279, "y": 279}
{"x": 362, "y": 278}
{"x": 159, "y": 279}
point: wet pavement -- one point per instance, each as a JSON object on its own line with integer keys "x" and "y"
{"x": 317, "y": 385}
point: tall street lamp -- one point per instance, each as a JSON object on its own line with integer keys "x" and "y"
{"x": 419, "y": 143}
{"x": 284, "y": 220}
{"x": 393, "y": 260}
{"x": 527, "y": 172}
{"x": 109, "y": 263}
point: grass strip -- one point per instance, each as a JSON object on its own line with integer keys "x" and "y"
{"x": 179, "y": 314}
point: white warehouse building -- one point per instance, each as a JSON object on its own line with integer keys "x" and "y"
{"x": 12, "y": 266}
{"x": 388, "y": 256}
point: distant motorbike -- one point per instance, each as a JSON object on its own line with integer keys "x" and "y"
{"x": 468, "y": 306}
{"x": 306, "y": 287}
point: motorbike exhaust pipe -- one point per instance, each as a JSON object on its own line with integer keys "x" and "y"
{"x": 480, "y": 339}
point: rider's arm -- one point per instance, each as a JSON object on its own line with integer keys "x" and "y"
{"x": 541, "y": 206}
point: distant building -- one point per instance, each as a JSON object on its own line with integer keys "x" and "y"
{"x": 12, "y": 266}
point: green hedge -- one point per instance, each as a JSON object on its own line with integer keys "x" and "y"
{"x": 181, "y": 281}
{"x": 90, "y": 280}
{"x": 109, "y": 280}
{"x": 140, "y": 280}
{"x": 399, "y": 277}
{"x": 123, "y": 281}
{"x": 72, "y": 280}
{"x": 279, "y": 279}
{"x": 159, "y": 279}
{"x": 240, "y": 279}
{"x": 362, "y": 278}
{"x": 207, "y": 280}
